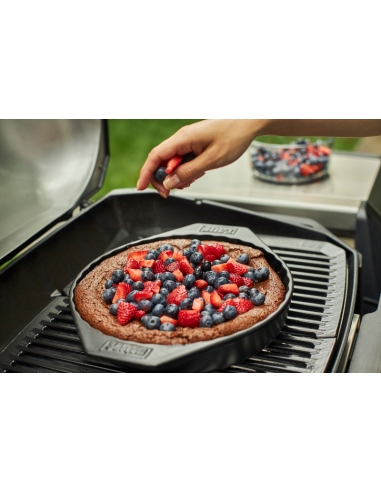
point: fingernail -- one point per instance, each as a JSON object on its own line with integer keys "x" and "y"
{"x": 162, "y": 194}
{"x": 172, "y": 182}
{"x": 138, "y": 185}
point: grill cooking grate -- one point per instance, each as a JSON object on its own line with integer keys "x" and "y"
{"x": 50, "y": 343}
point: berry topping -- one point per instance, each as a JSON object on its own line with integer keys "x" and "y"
{"x": 145, "y": 305}
{"x": 167, "y": 327}
{"x": 221, "y": 267}
{"x": 139, "y": 314}
{"x": 216, "y": 300}
{"x": 122, "y": 291}
{"x": 248, "y": 282}
{"x": 258, "y": 299}
{"x": 170, "y": 285}
{"x": 196, "y": 258}
{"x": 210, "y": 277}
{"x": 262, "y": 274}
{"x": 165, "y": 255}
{"x": 138, "y": 285}
{"x": 220, "y": 249}
{"x": 244, "y": 259}
{"x": 201, "y": 284}
{"x": 117, "y": 276}
{"x": 236, "y": 279}
{"x": 178, "y": 256}
{"x": 198, "y": 304}
{"x": 135, "y": 274}
{"x": 237, "y": 267}
{"x": 185, "y": 266}
{"x": 167, "y": 319}
{"x": 143, "y": 294}
{"x": 206, "y": 249}
{"x": 206, "y": 296}
{"x": 131, "y": 263}
{"x": 158, "y": 310}
{"x": 153, "y": 323}
{"x": 206, "y": 321}
{"x": 153, "y": 287}
{"x": 172, "y": 310}
{"x": 189, "y": 318}
{"x": 146, "y": 263}
{"x": 126, "y": 312}
{"x": 108, "y": 295}
{"x": 218, "y": 318}
{"x": 193, "y": 293}
{"x": 178, "y": 275}
{"x": 242, "y": 305}
{"x": 177, "y": 295}
{"x": 225, "y": 258}
{"x": 229, "y": 289}
{"x": 138, "y": 255}
{"x": 159, "y": 267}
{"x": 171, "y": 267}
{"x": 186, "y": 304}
{"x": 148, "y": 276}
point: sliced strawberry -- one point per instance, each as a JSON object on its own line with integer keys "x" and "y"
{"x": 221, "y": 294}
{"x": 215, "y": 299}
{"x": 122, "y": 291}
{"x": 198, "y": 304}
{"x": 164, "y": 255}
{"x": 167, "y": 319}
{"x": 238, "y": 267}
{"x": 229, "y": 289}
{"x": 177, "y": 256}
{"x": 139, "y": 314}
{"x": 242, "y": 305}
{"x": 220, "y": 268}
{"x": 159, "y": 267}
{"x": 189, "y": 318}
{"x": 177, "y": 295}
{"x": 210, "y": 258}
{"x": 143, "y": 294}
{"x": 248, "y": 282}
{"x": 115, "y": 285}
{"x": 138, "y": 255}
{"x": 206, "y": 296}
{"x": 146, "y": 263}
{"x": 131, "y": 263}
{"x": 206, "y": 249}
{"x": 173, "y": 266}
{"x": 228, "y": 302}
{"x": 179, "y": 276}
{"x": 201, "y": 284}
{"x": 236, "y": 279}
{"x": 220, "y": 249}
{"x": 324, "y": 150}
{"x": 185, "y": 266}
{"x": 126, "y": 312}
{"x": 153, "y": 287}
{"x": 173, "y": 163}
{"x": 135, "y": 275}
{"x": 305, "y": 170}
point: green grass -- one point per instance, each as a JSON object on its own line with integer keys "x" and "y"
{"x": 132, "y": 140}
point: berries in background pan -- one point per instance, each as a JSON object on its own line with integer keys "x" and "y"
{"x": 189, "y": 318}
{"x": 145, "y": 305}
{"x": 206, "y": 321}
{"x": 258, "y": 299}
{"x": 172, "y": 310}
{"x": 126, "y": 312}
{"x": 158, "y": 310}
{"x": 153, "y": 323}
{"x": 186, "y": 304}
{"x": 167, "y": 327}
{"x": 117, "y": 276}
{"x": 160, "y": 174}
{"x": 225, "y": 258}
{"x": 230, "y": 312}
{"x": 108, "y": 284}
{"x": 262, "y": 274}
{"x": 218, "y": 318}
{"x": 243, "y": 258}
{"x": 108, "y": 295}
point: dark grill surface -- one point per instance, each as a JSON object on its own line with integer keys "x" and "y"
{"x": 50, "y": 343}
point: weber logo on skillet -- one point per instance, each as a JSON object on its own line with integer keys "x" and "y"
{"x": 126, "y": 349}
{"x": 219, "y": 230}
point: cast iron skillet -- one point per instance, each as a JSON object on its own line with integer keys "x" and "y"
{"x": 200, "y": 356}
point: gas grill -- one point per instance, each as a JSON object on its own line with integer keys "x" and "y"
{"x": 37, "y": 330}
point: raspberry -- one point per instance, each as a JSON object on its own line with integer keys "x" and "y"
{"x": 189, "y": 318}
{"x": 177, "y": 295}
{"x": 126, "y": 312}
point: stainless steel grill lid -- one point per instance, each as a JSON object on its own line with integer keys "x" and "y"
{"x": 47, "y": 168}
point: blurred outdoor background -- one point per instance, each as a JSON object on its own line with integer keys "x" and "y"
{"x": 132, "y": 140}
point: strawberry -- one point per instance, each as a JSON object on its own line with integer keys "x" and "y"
{"x": 146, "y": 263}
{"x": 131, "y": 263}
{"x": 305, "y": 170}
{"x": 135, "y": 274}
{"x": 229, "y": 289}
{"x": 178, "y": 256}
{"x": 238, "y": 267}
{"x": 179, "y": 276}
{"x": 215, "y": 299}
{"x": 220, "y": 249}
{"x": 126, "y": 312}
{"x": 122, "y": 291}
{"x": 198, "y": 304}
{"x": 248, "y": 282}
{"x": 143, "y": 294}
{"x": 206, "y": 249}
{"x": 189, "y": 318}
{"x": 242, "y": 305}
{"x": 185, "y": 266}
{"x": 221, "y": 294}
{"x": 159, "y": 267}
{"x": 220, "y": 268}
{"x": 115, "y": 285}
{"x": 177, "y": 295}
{"x": 138, "y": 255}
{"x": 210, "y": 258}
{"x": 164, "y": 255}
{"x": 228, "y": 302}
{"x": 153, "y": 287}
{"x": 206, "y": 296}
{"x": 167, "y": 319}
{"x": 173, "y": 163}
{"x": 173, "y": 266}
{"x": 236, "y": 279}
{"x": 201, "y": 284}
{"x": 324, "y": 150}
{"x": 139, "y": 314}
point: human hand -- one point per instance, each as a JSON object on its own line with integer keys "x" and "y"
{"x": 216, "y": 143}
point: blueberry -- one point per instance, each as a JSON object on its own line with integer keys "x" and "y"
{"x": 160, "y": 174}
{"x": 229, "y": 312}
{"x": 153, "y": 323}
{"x": 167, "y": 327}
{"x": 154, "y": 253}
{"x": 172, "y": 310}
{"x": 258, "y": 299}
{"x": 114, "y": 308}
{"x": 220, "y": 281}
{"x": 225, "y": 258}
{"x": 164, "y": 292}
{"x": 137, "y": 285}
{"x": 186, "y": 253}
{"x": 150, "y": 256}
{"x": 134, "y": 303}
{"x": 146, "y": 269}
{"x": 158, "y": 299}
{"x": 209, "y": 289}
{"x": 218, "y": 318}
{"x": 217, "y": 262}
{"x": 148, "y": 276}
{"x": 210, "y": 277}
{"x": 117, "y": 276}
{"x": 197, "y": 242}
{"x": 245, "y": 289}
{"x": 192, "y": 265}
{"x": 225, "y": 274}
{"x": 158, "y": 276}
{"x": 193, "y": 293}
{"x": 244, "y": 259}
{"x": 178, "y": 284}
{"x": 193, "y": 249}
{"x": 168, "y": 261}
{"x": 165, "y": 247}
{"x": 169, "y": 285}
{"x": 186, "y": 304}
{"x": 262, "y": 274}
{"x": 244, "y": 296}
{"x": 253, "y": 292}
{"x": 108, "y": 284}
{"x": 206, "y": 321}
{"x": 189, "y": 280}
{"x": 128, "y": 281}
{"x": 229, "y": 296}
{"x": 158, "y": 310}
{"x": 210, "y": 309}
{"x": 108, "y": 295}
{"x": 168, "y": 276}
{"x": 206, "y": 265}
{"x": 144, "y": 319}
{"x": 198, "y": 272}
{"x": 196, "y": 258}
{"x": 145, "y": 305}
{"x": 250, "y": 275}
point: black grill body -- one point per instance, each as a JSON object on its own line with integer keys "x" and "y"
{"x": 42, "y": 337}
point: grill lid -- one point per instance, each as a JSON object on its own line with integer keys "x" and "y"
{"x": 47, "y": 169}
